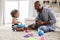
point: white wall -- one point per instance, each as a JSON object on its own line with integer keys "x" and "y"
{"x": 31, "y": 8}
{"x": 32, "y": 11}
{"x": 1, "y": 11}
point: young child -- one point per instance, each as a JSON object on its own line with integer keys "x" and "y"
{"x": 15, "y": 22}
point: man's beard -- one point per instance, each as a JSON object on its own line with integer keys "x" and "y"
{"x": 39, "y": 10}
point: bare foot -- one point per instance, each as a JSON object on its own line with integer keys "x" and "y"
{"x": 34, "y": 25}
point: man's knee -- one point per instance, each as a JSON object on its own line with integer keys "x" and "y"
{"x": 44, "y": 28}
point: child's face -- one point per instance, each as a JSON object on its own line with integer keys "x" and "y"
{"x": 17, "y": 15}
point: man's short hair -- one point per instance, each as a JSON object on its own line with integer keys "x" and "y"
{"x": 36, "y": 2}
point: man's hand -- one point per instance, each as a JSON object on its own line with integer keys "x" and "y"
{"x": 40, "y": 22}
{"x": 47, "y": 22}
{"x": 43, "y": 22}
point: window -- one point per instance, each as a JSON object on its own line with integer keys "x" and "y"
{"x": 22, "y": 6}
{"x": 9, "y": 6}
{"x": 24, "y": 10}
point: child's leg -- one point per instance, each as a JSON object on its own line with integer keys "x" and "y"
{"x": 44, "y": 28}
{"x": 14, "y": 27}
{"x": 19, "y": 29}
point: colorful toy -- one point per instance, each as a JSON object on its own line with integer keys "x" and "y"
{"x": 28, "y": 33}
{"x": 31, "y": 38}
{"x": 40, "y": 32}
{"x": 21, "y": 25}
{"x": 42, "y": 38}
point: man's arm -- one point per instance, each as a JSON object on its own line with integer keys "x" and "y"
{"x": 38, "y": 21}
{"x": 46, "y": 22}
{"x": 52, "y": 17}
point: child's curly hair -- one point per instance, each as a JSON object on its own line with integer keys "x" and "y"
{"x": 14, "y": 12}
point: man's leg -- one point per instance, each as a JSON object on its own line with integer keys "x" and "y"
{"x": 44, "y": 28}
{"x": 51, "y": 28}
{"x": 33, "y": 26}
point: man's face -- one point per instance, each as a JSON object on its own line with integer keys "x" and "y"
{"x": 37, "y": 6}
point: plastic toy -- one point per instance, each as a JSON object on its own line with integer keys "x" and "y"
{"x": 21, "y": 25}
{"x": 28, "y": 33}
{"x": 40, "y": 33}
{"x": 31, "y": 38}
{"x": 42, "y": 38}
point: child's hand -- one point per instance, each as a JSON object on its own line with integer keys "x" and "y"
{"x": 19, "y": 22}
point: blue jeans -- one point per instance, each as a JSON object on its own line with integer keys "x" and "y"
{"x": 46, "y": 28}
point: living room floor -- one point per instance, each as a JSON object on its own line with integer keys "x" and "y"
{"x": 7, "y": 34}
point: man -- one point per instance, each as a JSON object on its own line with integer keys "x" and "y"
{"x": 45, "y": 20}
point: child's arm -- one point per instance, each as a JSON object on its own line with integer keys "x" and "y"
{"x": 14, "y": 21}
